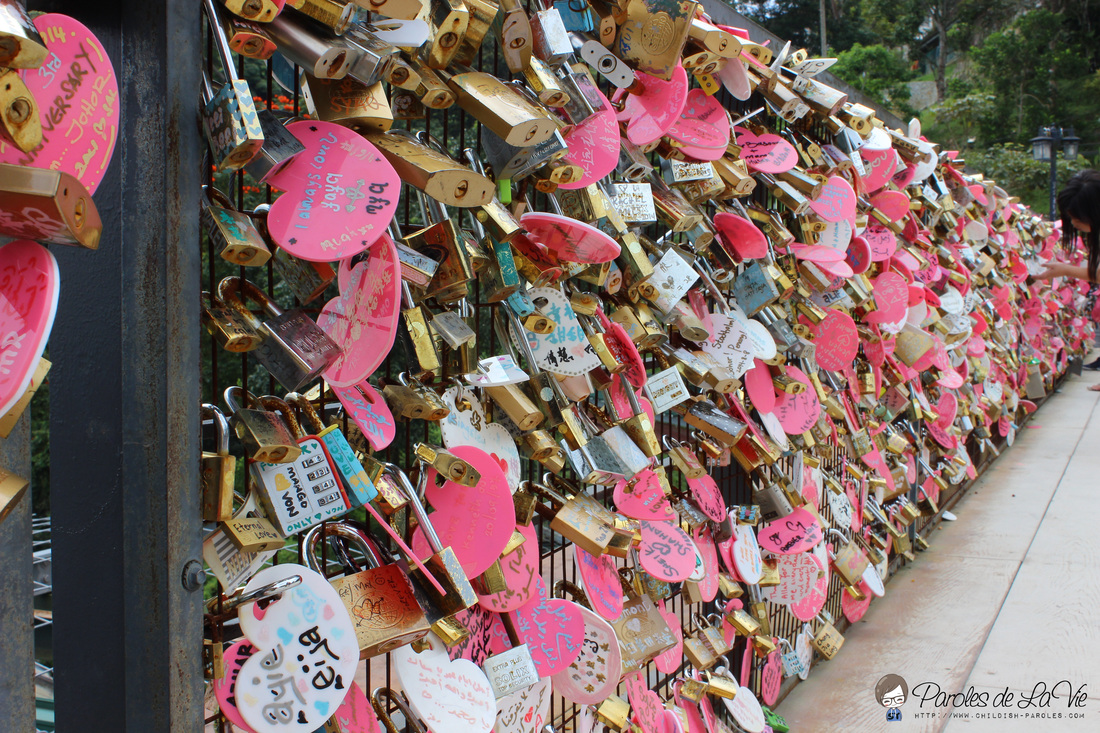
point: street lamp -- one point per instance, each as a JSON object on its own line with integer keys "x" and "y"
{"x": 1044, "y": 148}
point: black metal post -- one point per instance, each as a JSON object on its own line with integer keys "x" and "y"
{"x": 124, "y": 422}
{"x": 16, "y": 602}
{"x": 1055, "y": 146}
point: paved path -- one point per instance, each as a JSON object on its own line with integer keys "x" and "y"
{"x": 1005, "y": 599}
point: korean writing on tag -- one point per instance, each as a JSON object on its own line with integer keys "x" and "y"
{"x": 566, "y": 349}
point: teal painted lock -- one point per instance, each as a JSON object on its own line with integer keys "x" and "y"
{"x": 229, "y": 115}
{"x": 360, "y": 489}
{"x": 755, "y": 289}
{"x": 576, "y": 15}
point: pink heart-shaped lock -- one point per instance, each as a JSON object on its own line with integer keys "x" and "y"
{"x": 553, "y": 629}
{"x": 759, "y": 386}
{"x": 600, "y": 580}
{"x": 880, "y": 166}
{"x": 362, "y": 320}
{"x": 78, "y": 101}
{"x": 742, "y": 235}
{"x": 859, "y": 255}
{"x": 369, "y": 411}
{"x": 520, "y": 568}
{"x": 340, "y": 194}
{"x": 837, "y": 340}
{"x": 475, "y": 521}
{"x": 703, "y": 128}
{"x": 797, "y": 413}
{"x": 891, "y": 299}
{"x": 643, "y": 498}
{"x": 797, "y": 532}
{"x": 593, "y": 146}
{"x": 667, "y": 552}
{"x": 570, "y": 239}
{"x": 836, "y": 201}
{"x": 766, "y": 153}
{"x": 29, "y": 285}
{"x": 650, "y": 113}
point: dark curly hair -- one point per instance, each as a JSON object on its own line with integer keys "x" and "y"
{"x": 1080, "y": 199}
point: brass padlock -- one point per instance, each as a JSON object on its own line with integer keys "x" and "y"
{"x": 217, "y": 471}
{"x": 47, "y": 206}
{"x": 449, "y": 466}
{"x": 683, "y": 458}
{"x": 827, "y": 640}
{"x": 294, "y": 348}
{"x": 502, "y": 109}
{"x": 21, "y": 46}
{"x": 233, "y": 233}
{"x": 379, "y": 599}
{"x": 706, "y": 416}
{"x": 261, "y": 11}
{"x": 428, "y": 170}
{"x": 641, "y": 629}
{"x": 265, "y": 437}
{"x": 229, "y": 115}
{"x": 229, "y": 327}
{"x": 248, "y": 38}
{"x": 442, "y": 564}
{"x": 20, "y": 122}
{"x": 579, "y": 518}
{"x": 515, "y": 36}
{"x": 12, "y": 488}
{"x": 349, "y": 102}
{"x": 414, "y": 402}
{"x": 614, "y": 712}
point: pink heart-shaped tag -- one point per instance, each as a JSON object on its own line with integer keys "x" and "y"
{"x": 341, "y": 194}
{"x": 879, "y": 166}
{"x": 891, "y": 299}
{"x": 645, "y": 705}
{"x": 520, "y": 568}
{"x": 759, "y": 386}
{"x": 225, "y": 687}
{"x": 369, "y": 411}
{"x": 594, "y": 146}
{"x": 475, "y": 521}
{"x": 836, "y": 200}
{"x": 651, "y": 113}
{"x": 859, "y": 255}
{"x": 837, "y": 340}
{"x": 797, "y": 532}
{"x": 766, "y": 153}
{"x": 570, "y": 239}
{"x": 553, "y": 629}
{"x": 667, "y": 552}
{"x": 600, "y": 580}
{"x": 29, "y": 285}
{"x": 703, "y": 128}
{"x": 708, "y": 497}
{"x": 78, "y": 101}
{"x": 739, "y": 233}
{"x": 362, "y": 320}
{"x": 894, "y": 204}
{"x": 797, "y": 413}
{"x": 882, "y": 241}
{"x": 644, "y": 498}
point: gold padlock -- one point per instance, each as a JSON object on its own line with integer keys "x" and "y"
{"x": 47, "y": 206}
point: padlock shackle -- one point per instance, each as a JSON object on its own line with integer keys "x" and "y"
{"x": 545, "y": 491}
{"x": 216, "y": 195}
{"x": 305, "y": 412}
{"x": 564, "y": 588}
{"x": 232, "y": 291}
{"x": 394, "y": 472}
{"x": 234, "y": 394}
{"x": 383, "y": 713}
{"x": 344, "y": 531}
{"x": 221, "y": 43}
{"x": 221, "y": 426}
{"x": 271, "y": 590}
{"x": 271, "y": 403}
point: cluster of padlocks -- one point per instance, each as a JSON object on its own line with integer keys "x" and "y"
{"x": 624, "y": 289}
{"x": 59, "y": 114}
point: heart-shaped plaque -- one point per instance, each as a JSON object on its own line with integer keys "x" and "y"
{"x": 30, "y": 284}
{"x": 453, "y": 696}
{"x": 340, "y": 194}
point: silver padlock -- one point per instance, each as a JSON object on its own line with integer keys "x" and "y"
{"x": 510, "y": 162}
{"x": 325, "y": 57}
{"x": 551, "y": 40}
{"x": 773, "y": 502}
{"x": 278, "y": 149}
{"x": 511, "y": 670}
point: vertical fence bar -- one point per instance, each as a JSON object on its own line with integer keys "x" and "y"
{"x": 17, "y": 600}
{"x": 124, "y": 419}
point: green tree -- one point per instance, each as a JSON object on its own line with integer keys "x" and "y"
{"x": 878, "y": 72}
{"x": 1013, "y": 168}
{"x": 799, "y": 21}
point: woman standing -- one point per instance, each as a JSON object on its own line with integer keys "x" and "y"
{"x": 1079, "y": 205}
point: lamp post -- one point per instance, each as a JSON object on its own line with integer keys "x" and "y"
{"x": 1044, "y": 148}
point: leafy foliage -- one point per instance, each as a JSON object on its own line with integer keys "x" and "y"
{"x": 878, "y": 72}
{"x": 1013, "y": 168}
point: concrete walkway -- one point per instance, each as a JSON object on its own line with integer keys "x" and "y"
{"x": 1005, "y": 599}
